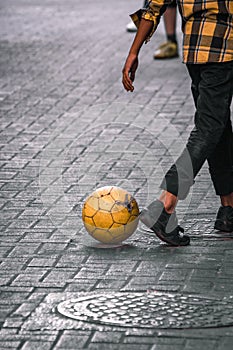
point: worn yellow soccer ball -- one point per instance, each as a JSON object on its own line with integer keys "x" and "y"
{"x": 110, "y": 214}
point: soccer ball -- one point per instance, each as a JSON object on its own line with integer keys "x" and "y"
{"x": 110, "y": 214}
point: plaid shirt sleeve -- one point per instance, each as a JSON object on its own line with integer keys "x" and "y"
{"x": 152, "y": 12}
{"x": 207, "y": 28}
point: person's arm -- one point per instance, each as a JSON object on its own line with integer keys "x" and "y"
{"x": 147, "y": 22}
{"x": 131, "y": 63}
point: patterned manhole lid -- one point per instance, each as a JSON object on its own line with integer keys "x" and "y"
{"x": 149, "y": 310}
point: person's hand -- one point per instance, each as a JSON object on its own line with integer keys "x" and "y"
{"x": 128, "y": 72}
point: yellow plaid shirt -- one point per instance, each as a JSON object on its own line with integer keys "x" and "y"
{"x": 207, "y": 26}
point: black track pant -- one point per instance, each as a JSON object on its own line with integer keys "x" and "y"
{"x": 212, "y": 138}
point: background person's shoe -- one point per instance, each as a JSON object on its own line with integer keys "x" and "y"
{"x": 164, "y": 225}
{"x": 224, "y": 220}
{"x": 166, "y": 50}
{"x": 131, "y": 27}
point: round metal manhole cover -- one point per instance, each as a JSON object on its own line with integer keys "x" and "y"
{"x": 149, "y": 310}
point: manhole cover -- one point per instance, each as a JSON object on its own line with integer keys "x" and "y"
{"x": 150, "y": 310}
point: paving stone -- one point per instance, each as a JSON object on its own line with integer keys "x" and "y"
{"x": 106, "y": 337}
{"x": 34, "y": 345}
{"x": 72, "y": 340}
{"x": 225, "y": 343}
{"x": 196, "y": 344}
{"x": 9, "y": 345}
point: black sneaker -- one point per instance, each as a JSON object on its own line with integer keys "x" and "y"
{"x": 164, "y": 225}
{"x": 224, "y": 220}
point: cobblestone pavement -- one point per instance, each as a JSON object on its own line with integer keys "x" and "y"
{"x": 67, "y": 127}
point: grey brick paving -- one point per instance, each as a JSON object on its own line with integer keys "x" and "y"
{"x": 68, "y": 126}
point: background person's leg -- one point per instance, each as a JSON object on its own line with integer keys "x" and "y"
{"x": 170, "y": 23}
{"x": 169, "y": 49}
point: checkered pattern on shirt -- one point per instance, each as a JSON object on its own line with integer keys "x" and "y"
{"x": 207, "y": 26}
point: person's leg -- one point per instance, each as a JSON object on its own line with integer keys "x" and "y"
{"x": 220, "y": 166}
{"x": 211, "y": 118}
{"x": 221, "y": 171}
{"x": 168, "y": 199}
{"x": 170, "y": 23}
{"x": 169, "y": 49}
{"x": 227, "y": 200}
{"x": 221, "y": 160}
{"x": 212, "y": 91}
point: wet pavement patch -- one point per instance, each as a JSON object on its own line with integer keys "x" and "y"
{"x": 149, "y": 310}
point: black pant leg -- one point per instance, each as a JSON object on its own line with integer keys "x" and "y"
{"x": 221, "y": 163}
{"x": 211, "y": 118}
